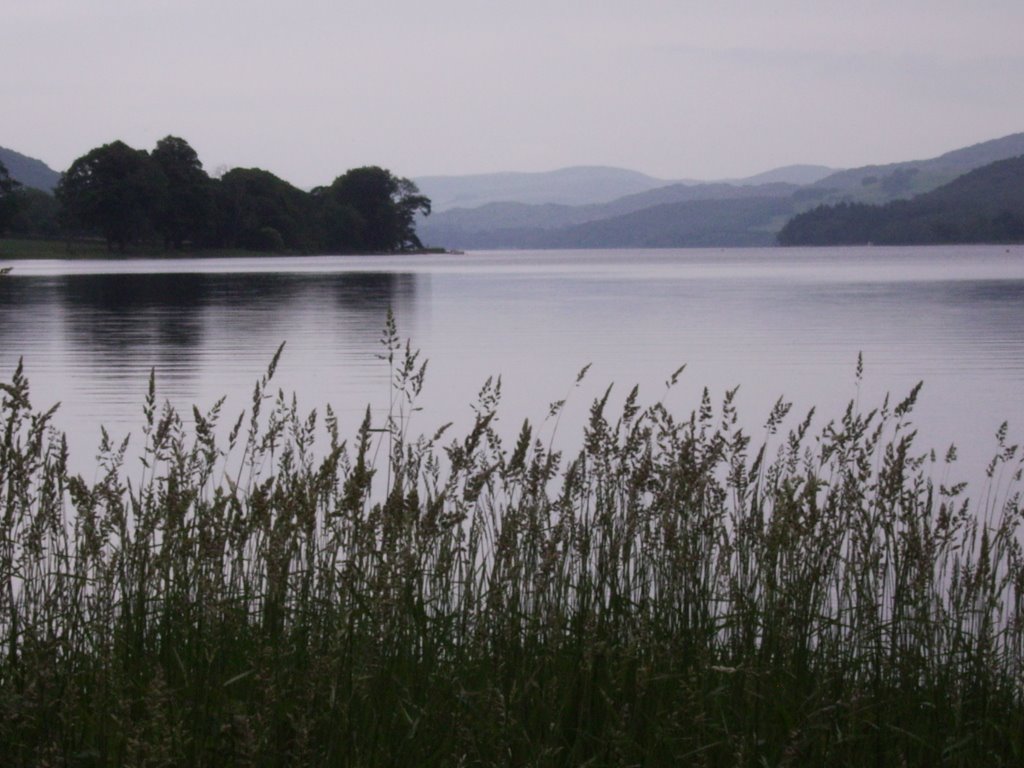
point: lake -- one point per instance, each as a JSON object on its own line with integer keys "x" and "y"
{"x": 775, "y": 321}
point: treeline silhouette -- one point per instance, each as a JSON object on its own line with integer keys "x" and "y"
{"x": 164, "y": 197}
{"x": 984, "y": 205}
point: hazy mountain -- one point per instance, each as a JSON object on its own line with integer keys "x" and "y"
{"x": 735, "y": 222}
{"x": 683, "y": 193}
{"x": 694, "y": 214}
{"x": 502, "y": 225}
{"x": 991, "y": 189}
{"x": 789, "y": 174}
{"x": 567, "y": 186}
{"x": 580, "y": 185}
{"x": 882, "y": 183}
{"x": 983, "y": 205}
{"x": 698, "y": 223}
{"x": 29, "y": 171}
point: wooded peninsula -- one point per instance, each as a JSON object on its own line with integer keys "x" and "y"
{"x": 132, "y": 198}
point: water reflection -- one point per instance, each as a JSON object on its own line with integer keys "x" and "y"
{"x": 775, "y": 322}
{"x": 130, "y": 312}
{"x": 112, "y": 316}
{"x": 90, "y": 340}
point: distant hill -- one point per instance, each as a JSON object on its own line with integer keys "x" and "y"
{"x": 735, "y": 222}
{"x": 752, "y": 221}
{"x": 883, "y": 183}
{"x": 580, "y": 185}
{"x": 742, "y": 212}
{"x": 29, "y": 171}
{"x": 983, "y": 205}
{"x": 517, "y": 225}
{"x": 788, "y": 174}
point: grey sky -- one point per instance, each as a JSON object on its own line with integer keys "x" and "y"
{"x": 309, "y": 88}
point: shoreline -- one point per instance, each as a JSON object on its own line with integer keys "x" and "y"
{"x": 29, "y": 249}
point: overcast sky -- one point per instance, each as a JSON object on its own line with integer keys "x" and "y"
{"x": 674, "y": 88}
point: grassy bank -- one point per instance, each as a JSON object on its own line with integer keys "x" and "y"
{"x": 23, "y": 248}
{"x": 671, "y": 594}
{"x": 18, "y": 249}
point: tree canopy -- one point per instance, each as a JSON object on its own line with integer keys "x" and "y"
{"x": 379, "y": 208}
{"x": 129, "y": 196}
{"x": 186, "y": 206}
{"x": 114, "y": 191}
{"x": 260, "y": 212}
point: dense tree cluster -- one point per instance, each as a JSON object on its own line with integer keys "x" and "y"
{"x": 985, "y": 205}
{"x": 8, "y": 198}
{"x": 25, "y": 210}
{"x": 129, "y": 196}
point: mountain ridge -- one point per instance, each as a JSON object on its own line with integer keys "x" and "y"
{"x": 29, "y": 171}
{"x": 579, "y": 185}
{"x": 904, "y": 179}
{"x": 499, "y": 225}
{"x": 734, "y": 220}
{"x": 985, "y": 204}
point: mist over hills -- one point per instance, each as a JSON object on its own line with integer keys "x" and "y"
{"x": 643, "y": 218}
{"x": 748, "y": 211}
{"x": 580, "y": 185}
{"x": 787, "y": 174}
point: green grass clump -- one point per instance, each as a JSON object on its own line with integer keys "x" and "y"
{"x": 664, "y": 596}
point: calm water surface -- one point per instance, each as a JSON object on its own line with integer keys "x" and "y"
{"x": 774, "y": 321}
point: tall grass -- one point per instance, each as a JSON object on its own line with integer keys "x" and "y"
{"x": 667, "y": 595}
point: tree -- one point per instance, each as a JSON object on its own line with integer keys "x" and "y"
{"x": 183, "y": 211}
{"x": 9, "y": 198}
{"x": 114, "y": 191}
{"x": 338, "y": 226}
{"x": 258, "y": 211}
{"x": 1008, "y": 227}
{"x": 37, "y": 214}
{"x": 380, "y": 209}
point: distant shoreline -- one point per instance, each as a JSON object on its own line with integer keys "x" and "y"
{"x": 17, "y": 249}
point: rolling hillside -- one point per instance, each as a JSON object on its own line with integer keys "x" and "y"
{"x": 580, "y": 186}
{"x": 983, "y": 205}
{"x": 883, "y": 183}
{"x": 495, "y": 225}
{"x": 668, "y": 213}
{"x": 567, "y": 186}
